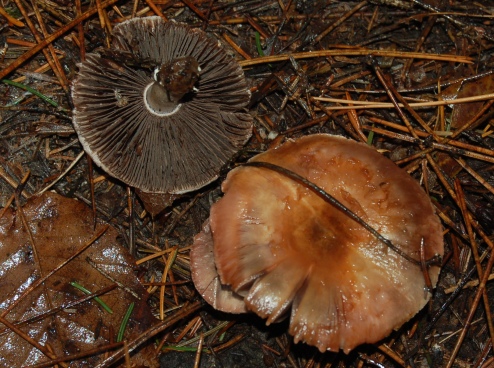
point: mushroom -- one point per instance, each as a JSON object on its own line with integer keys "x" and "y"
{"x": 277, "y": 245}
{"x": 162, "y": 110}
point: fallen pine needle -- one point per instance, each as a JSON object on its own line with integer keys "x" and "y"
{"x": 383, "y": 105}
{"x": 355, "y": 52}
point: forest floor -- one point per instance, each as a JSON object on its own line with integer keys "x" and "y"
{"x": 312, "y": 67}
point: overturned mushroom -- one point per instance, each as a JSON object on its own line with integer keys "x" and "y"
{"x": 276, "y": 247}
{"x": 162, "y": 110}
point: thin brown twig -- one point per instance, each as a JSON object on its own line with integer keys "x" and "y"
{"x": 14, "y": 21}
{"x": 12, "y": 197}
{"x": 80, "y": 31}
{"x": 475, "y": 303}
{"x": 197, "y": 360}
{"x": 455, "y": 147}
{"x": 132, "y": 230}
{"x": 112, "y": 278}
{"x": 134, "y": 8}
{"x": 425, "y": 32}
{"x": 52, "y": 311}
{"x": 55, "y": 35}
{"x": 473, "y": 173}
{"x": 66, "y": 171}
{"x": 194, "y": 321}
{"x": 391, "y": 353}
{"x": 469, "y": 284}
{"x": 155, "y": 9}
{"x": 354, "y": 121}
{"x": 473, "y": 244}
{"x": 195, "y": 9}
{"x": 27, "y": 338}
{"x": 234, "y": 340}
{"x": 354, "y": 52}
{"x": 236, "y": 47}
{"x": 91, "y": 182}
{"x": 97, "y": 350}
{"x": 475, "y": 118}
{"x": 49, "y": 58}
{"x": 168, "y": 265}
{"x": 103, "y": 22}
{"x": 62, "y": 78}
{"x": 340, "y": 20}
{"x": 384, "y": 105}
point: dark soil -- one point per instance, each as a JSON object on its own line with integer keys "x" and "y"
{"x": 38, "y": 145}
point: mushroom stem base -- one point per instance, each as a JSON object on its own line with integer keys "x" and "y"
{"x": 155, "y": 203}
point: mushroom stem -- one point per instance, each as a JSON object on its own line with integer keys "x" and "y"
{"x": 154, "y": 203}
{"x": 178, "y": 76}
{"x": 157, "y": 100}
{"x": 173, "y": 80}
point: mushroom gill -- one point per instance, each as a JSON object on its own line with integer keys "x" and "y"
{"x": 284, "y": 250}
{"x": 162, "y": 110}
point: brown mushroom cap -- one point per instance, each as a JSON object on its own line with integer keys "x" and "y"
{"x": 139, "y": 123}
{"x": 205, "y": 275}
{"x": 288, "y": 251}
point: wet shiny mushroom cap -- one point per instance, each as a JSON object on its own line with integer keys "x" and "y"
{"x": 205, "y": 275}
{"x": 163, "y": 109}
{"x": 288, "y": 252}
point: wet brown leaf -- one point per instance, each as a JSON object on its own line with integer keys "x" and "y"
{"x": 60, "y": 227}
{"x": 463, "y": 113}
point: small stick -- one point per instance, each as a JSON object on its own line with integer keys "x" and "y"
{"x": 74, "y": 357}
{"x": 41, "y": 45}
{"x": 427, "y": 278}
{"x": 197, "y": 359}
{"x": 37, "y": 37}
{"x": 339, "y": 21}
{"x": 62, "y": 78}
{"x": 472, "y": 172}
{"x": 132, "y": 234}
{"x": 473, "y": 244}
{"x": 80, "y": 31}
{"x": 443, "y": 147}
{"x": 53, "y": 311}
{"x": 156, "y": 9}
{"x": 103, "y": 23}
{"x": 72, "y": 164}
{"x": 27, "y": 338}
{"x": 11, "y": 19}
{"x": 390, "y": 352}
{"x": 355, "y": 52}
{"x": 195, "y": 9}
{"x": 333, "y": 201}
{"x": 383, "y": 105}
{"x": 112, "y": 279}
{"x": 353, "y": 118}
{"x": 475, "y": 303}
{"x": 11, "y": 181}
{"x": 237, "y": 48}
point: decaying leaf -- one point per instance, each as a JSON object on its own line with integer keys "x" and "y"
{"x": 463, "y": 113}
{"x": 59, "y": 227}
